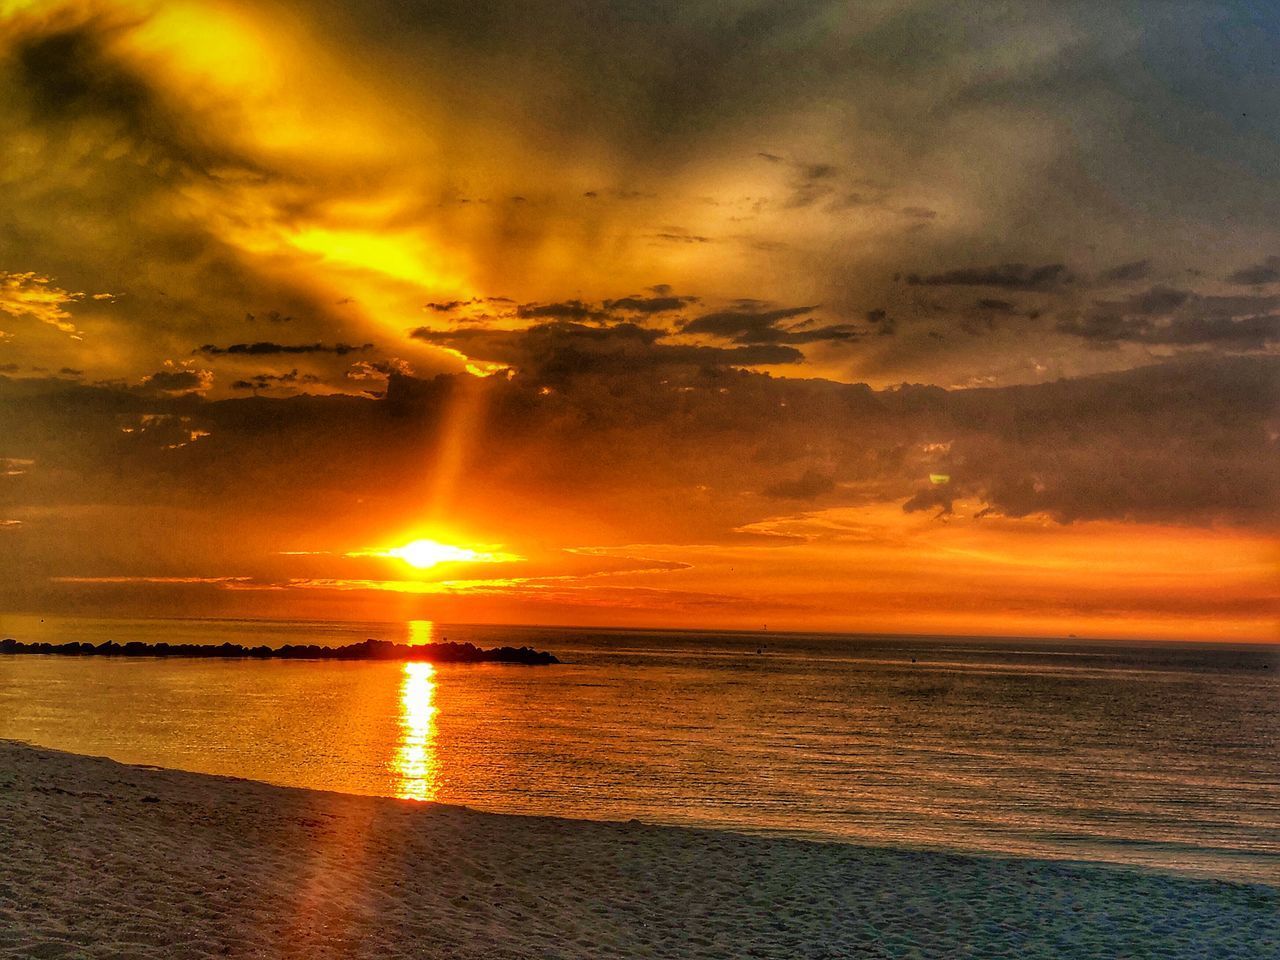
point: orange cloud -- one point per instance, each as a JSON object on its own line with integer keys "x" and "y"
{"x": 31, "y": 295}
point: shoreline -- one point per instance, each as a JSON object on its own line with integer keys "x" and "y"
{"x": 99, "y": 858}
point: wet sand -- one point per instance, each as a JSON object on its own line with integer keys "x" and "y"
{"x": 99, "y": 859}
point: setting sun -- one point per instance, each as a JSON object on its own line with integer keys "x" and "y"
{"x": 425, "y": 554}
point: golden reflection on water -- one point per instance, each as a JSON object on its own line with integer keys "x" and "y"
{"x": 420, "y": 632}
{"x": 414, "y": 765}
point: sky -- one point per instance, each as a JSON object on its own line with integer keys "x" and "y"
{"x": 891, "y": 316}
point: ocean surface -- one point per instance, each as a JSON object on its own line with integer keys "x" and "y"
{"x": 1159, "y": 755}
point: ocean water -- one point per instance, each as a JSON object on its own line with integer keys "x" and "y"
{"x": 1159, "y": 755}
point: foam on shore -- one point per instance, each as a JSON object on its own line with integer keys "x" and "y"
{"x": 99, "y": 859}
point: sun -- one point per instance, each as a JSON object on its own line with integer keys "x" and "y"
{"x": 424, "y": 554}
{"x": 429, "y": 553}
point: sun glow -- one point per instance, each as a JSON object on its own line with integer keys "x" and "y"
{"x": 424, "y": 554}
{"x": 402, "y": 257}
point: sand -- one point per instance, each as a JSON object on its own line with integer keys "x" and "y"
{"x": 99, "y": 859}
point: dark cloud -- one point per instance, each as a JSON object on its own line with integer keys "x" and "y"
{"x": 884, "y": 324}
{"x": 69, "y": 77}
{"x": 1126, "y": 272}
{"x": 649, "y": 305}
{"x": 265, "y": 348}
{"x": 1266, "y": 272}
{"x": 1166, "y": 316}
{"x": 449, "y": 306}
{"x": 1251, "y": 333}
{"x": 565, "y": 310}
{"x": 932, "y": 497}
{"x": 679, "y": 236}
{"x": 752, "y": 326}
{"x": 379, "y": 369}
{"x": 161, "y": 431}
{"x": 1014, "y": 276}
{"x": 1185, "y": 442}
{"x": 1153, "y": 302}
{"x": 811, "y": 182}
{"x": 265, "y": 381}
{"x": 564, "y": 349}
{"x": 178, "y": 381}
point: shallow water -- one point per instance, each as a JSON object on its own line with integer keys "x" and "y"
{"x": 1162, "y": 755}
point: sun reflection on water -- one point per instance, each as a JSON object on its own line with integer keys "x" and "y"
{"x": 421, "y": 632}
{"x": 414, "y": 765}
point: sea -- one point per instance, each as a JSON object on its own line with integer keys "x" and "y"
{"x": 1157, "y": 755}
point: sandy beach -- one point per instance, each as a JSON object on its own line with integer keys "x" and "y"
{"x": 100, "y": 859}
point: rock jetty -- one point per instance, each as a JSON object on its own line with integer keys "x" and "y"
{"x": 445, "y": 652}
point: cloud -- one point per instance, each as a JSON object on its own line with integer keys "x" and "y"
{"x": 265, "y": 348}
{"x": 561, "y": 349}
{"x": 178, "y": 379}
{"x": 883, "y": 324}
{"x": 70, "y": 76}
{"x": 754, "y": 326}
{"x": 670, "y": 442}
{"x": 379, "y": 369}
{"x": 931, "y": 498}
{"x": 31, "y": 295}
{"x": 1126, "y": 272}
{"x": 649, "y": 305}
{"x": 811, "y": 182}
{"x": 1172, "y": 317}
{"x": 163, "y": 431}
{"x": 197, "y": 193}
{"x": 137, "y": 177}
{"x": 1013, "y": 276}
{"x": 1155, "y": 301}
{"x": 566, "y": 310}
{"x": 1260, "y": 273}
{"x": 1246, "y": 333}
{"x": 679, "y": 235}
{"x": 266, "y": 381}
{"x": 449, "y": 306}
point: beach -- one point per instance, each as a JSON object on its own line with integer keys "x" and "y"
{"x": 100, "y": 859}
